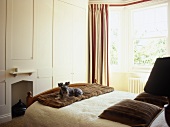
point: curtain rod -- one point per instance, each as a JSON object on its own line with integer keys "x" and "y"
{"x": 127, "y": 4}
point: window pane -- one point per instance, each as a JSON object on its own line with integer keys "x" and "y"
{"x": 150, "y": 22}
{"x": 150, "y": 30}
{"x": 147, "y": 50}
{"x": 114, "y": 37}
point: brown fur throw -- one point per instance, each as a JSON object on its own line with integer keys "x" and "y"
{"x": 90, "y": 90}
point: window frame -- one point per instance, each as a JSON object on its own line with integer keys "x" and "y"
{"x": 132, "y": 67}
{"x": 126, "y": 49}
{"x": 120, "y": 66}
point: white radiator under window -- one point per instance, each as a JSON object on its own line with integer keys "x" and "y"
{"x": 136, "y": 85}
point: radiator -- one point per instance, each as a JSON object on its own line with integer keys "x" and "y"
{"x": 136, "y": 85}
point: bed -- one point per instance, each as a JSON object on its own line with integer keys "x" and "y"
{"x": 82, "y": 113}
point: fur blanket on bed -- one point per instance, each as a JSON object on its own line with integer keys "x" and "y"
{"x": 90, "y": 90}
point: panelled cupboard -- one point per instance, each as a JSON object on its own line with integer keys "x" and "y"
{"x": 70, "y": 47}
{"x": 42, "y": 41}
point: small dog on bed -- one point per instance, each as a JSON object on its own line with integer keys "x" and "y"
{"x": 66, "y": 91}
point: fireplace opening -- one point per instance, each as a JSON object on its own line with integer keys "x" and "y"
{"x": 18, "y": 96}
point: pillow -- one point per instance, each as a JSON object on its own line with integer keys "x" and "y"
{"x": 131, "y": 112}
{"x": 153, "y": 99}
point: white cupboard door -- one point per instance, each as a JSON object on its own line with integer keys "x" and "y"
{"x": 2, "y": 57}
{"x": 79, "y": 45}
{"x": 20, "y": 24}
{"x": 43, "y": 10}
{"x": 70, "y": 42}
{"x": 62, "y": 47}
{"x": 20, "y": 44}
{"x": 43, "y": 15}
{"x": 2, "y": 33}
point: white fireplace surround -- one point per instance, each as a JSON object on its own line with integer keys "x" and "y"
{"x": 15, "y": 88}
{"x": 19, "y": 91}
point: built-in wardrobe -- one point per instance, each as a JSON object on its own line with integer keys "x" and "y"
{"x": 42, "y": 43}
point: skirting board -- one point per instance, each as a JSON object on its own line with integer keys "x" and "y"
{"x": 5, "y": 118}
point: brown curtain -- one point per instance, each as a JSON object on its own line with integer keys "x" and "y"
{"x": 98, "y": 43}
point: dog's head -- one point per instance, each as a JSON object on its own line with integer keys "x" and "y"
{"x": 64, "y": 87}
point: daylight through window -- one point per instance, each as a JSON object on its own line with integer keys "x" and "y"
{"x": 150, "y": 30}
{"x": 144, "y": 36}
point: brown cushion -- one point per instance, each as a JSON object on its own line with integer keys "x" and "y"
{"x": 149, "y": 98}
{"x": 131, "y": 112}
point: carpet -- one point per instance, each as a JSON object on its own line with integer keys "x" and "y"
{"x": 15, "y": 122}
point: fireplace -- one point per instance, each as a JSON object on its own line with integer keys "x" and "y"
{"x": 19, "y": 91}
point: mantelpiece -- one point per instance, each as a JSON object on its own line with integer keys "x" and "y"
{"x": 22, "y": 72}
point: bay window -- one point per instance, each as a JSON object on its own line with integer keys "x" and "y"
{"x": 149, "y": 34}
{"x": 145, "y": 35}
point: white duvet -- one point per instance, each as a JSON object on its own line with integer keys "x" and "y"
{"x": 79, "y": 114}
